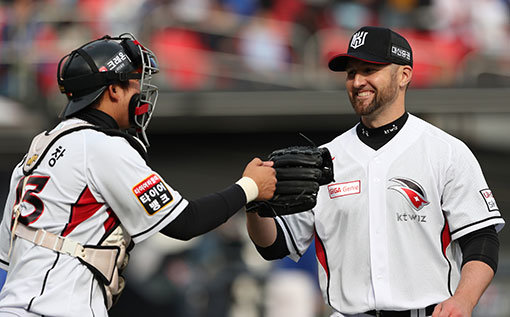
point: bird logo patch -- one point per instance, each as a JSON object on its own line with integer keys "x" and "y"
{"x": 412, "y": 192}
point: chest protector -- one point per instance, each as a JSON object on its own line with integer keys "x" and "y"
{"x": 106, "y": 260}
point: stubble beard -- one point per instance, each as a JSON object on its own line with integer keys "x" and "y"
{"x": 381, "y": 99}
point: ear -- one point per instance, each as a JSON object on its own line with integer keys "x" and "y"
{"x": 113, "y": 92}
{"x": 406, "y": 73}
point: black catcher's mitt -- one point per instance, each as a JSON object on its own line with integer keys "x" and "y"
{"x": 300, "y": 170}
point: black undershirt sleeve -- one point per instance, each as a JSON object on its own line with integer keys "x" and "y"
{"x": 481, "y": 245}
{"x": 278, "y": 249}
{"x": 206, "y": 213}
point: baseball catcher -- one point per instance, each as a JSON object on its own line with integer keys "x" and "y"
{"x": 84, "y": 194}
{"x": 300, "y": 170}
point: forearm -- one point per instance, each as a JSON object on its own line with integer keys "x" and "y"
{"x": 267, "y": 236}
{"x": 205, "y": 214}
{"x": 475, "y": 277}
{"x": 262, "y": 230}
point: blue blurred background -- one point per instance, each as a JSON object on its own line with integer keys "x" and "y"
{"x": 243, "y": 77}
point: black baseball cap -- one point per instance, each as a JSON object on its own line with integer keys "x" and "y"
{"x": 376, "y": 45}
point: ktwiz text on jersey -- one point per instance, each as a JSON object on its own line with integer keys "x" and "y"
{"x": 410, "y": 217}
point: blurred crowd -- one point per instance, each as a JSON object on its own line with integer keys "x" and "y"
{"x": 251, "y": 44}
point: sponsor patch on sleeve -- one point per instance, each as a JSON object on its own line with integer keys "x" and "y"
{"x": 489, "y": 199}
{"x": 152, "y": 194}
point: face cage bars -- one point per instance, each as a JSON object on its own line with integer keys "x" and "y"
{"x": 148, "y": 91}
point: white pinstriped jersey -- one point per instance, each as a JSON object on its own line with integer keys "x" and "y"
{"x": 385, "y": 229}
{"x": 86, "y": 184}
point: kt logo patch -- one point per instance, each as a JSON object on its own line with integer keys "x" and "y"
{"x": 152, "y": 194}
{"x": 412, "y": 192}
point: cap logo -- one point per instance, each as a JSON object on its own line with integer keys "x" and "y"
{"x": 400, "y": 53}
{"x": 358, "y": 39}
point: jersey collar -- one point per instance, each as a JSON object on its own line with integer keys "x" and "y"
{"x": 378, "y": 137}
{"x": 98, "y": 118}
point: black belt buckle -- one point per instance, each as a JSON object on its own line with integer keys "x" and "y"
{"x": 405, "y": 313}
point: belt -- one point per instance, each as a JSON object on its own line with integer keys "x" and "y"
{"x": 403, "y": 313}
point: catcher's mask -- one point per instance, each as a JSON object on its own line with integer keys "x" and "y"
{"x": 85, "y": 73}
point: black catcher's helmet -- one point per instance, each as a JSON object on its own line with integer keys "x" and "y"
{"x": 85, "y": 73}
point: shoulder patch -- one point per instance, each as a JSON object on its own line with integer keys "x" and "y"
{"x": 489, "y": 199}
{"x": 153, "y": 194}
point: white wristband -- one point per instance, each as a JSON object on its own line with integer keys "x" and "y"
{"x": 251, "y": 190}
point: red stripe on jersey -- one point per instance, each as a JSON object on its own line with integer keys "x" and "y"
{"x": 321, "y": 254}
{"x": 446, "y": 238}
{"x": 111, "y": 221}
{"x": 82, "y": 210}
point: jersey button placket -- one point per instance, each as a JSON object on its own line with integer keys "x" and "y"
{"x": 377, "y": 228}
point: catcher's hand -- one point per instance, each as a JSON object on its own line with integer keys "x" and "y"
{"x": 300, "y": 170}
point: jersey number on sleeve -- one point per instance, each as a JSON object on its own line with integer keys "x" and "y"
{"x": 35, "y": 185}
